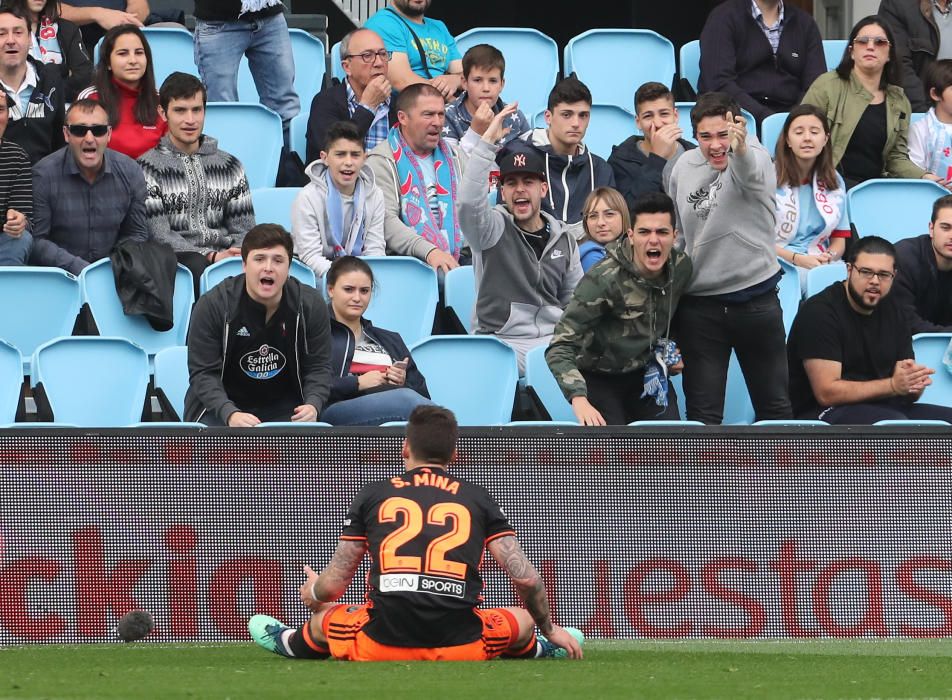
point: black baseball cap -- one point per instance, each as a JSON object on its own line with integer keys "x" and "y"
{"x": 521, "y": 161}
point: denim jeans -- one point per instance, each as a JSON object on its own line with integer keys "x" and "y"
{"x": 219, "y": 47}
{"x": 15, "y": 251}
{"x": 374, "y": 409}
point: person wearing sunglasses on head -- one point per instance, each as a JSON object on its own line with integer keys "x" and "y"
{"x": 867, "y": 109}
{"x": 86, "y": 198}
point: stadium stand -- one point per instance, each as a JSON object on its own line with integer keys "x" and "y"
{"x": 273, "y": 205}
{"x": 170, "y": 375}
{"x": 250, "y": 132}
{"x": 770, "y": 130}
{"x": 894, "y": 208}
{"x": 229, "y": 267}
{"x": 610, "y": 126}
{"x": 930, "y": 349}
{"x": 11, "y": 382}
{"x": 690, "y": 62}
{"x": 821, "y": 277}
{"x": 405, "y": 297}
{"x": 459, "y": 294}
{"x": 544, "y": 391}
{"x": 833, "y": 52}
{"x": 337, "y": 70}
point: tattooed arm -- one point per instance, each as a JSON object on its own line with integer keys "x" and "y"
{"x": 508, "y": 552}
{"x": 335, "y": 577}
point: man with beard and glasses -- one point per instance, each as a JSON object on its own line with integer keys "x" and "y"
{"x": 924, "y": 289}
{"x": 850, "y": 348}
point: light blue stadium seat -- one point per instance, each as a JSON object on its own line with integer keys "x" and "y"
{"x": 250, "y": 132}
{"x": 610, "y": 125}
{"x": 541, "y": 424}
{"x": 45, "y": 307}
{"x": 893, "y": 208}
{"x": 173, "y": 425}
{"x": 691, "y": 62}
{"x": 738, "y": 409}
{"x": 171, "y": 379}
{"x": 604, "y": 59}
{"x": 11, "y": 381}
{"x": 833, "y": 52}
{"x": 916, "y": 116}
{"x": 298, "y": 134}
{"x": 929, "y": 349}
{"x": 541, "y": 383}
{"x": 309, "y": 68}
{"x": 337, "y": 70}
{"x": 790, "y": 422}
{"x": 684, "y": 121}
{"x": 664, "y": 423}
{"x": 822, "y": 276}
{"x": 770, "y": 131}
{"x": 532, "y": 62}
{"x": 172, "y": 50}
{"x": 93, "y": 381}
{"x": 273, "y": 205}
{"x": 912, "y": 423}
{"x": 789, "y": 293}
{"x": 459, "y": 294}
{"x": 98, "y": 289}
{"x": 229, "y": 267}
{"x": 475, "y": 376}
{"x": 405, "y": 296}
{"x": 293, "y": 424}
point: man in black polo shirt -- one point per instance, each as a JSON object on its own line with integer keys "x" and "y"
{"x": 259, "y": 343}
{"x": 850, "y": 349}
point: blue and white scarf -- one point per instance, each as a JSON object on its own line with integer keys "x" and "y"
{"x": 351, "y": 243}
{"x": 939, "y": 153}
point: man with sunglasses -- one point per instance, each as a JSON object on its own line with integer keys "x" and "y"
{"x": 362, "y": 98}
{"x": 86, "y": 198}
{"x": 850, "y": 348}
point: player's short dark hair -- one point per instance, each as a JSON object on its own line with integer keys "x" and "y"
{"x": 342, "y": 130}
{"x": 431, "y": 434}
{"x": 652, "y": 91}
{"x": 484, "y": 56}
{"x": 939, "y": 77}
{"x": 181, "y": 86}
{"x": 266, "y": 236}
{"x": 874, "y": 245}
{"x": 345, "y": 264}
{"x": 409, "y": 95}
{"x": 943, "y": 202}
{"x": 652, "y": 203}
{"x": 568, "y": 91}
{"x": 713, "y": 104}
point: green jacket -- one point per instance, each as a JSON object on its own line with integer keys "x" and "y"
{"x": 614, "y": 318}
{"x": 844, "y": 103}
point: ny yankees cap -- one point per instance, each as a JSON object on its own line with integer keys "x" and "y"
{"x": 521, "y": 161}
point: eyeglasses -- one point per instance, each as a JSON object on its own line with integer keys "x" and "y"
{"x": 868, "y": 274}
{"x": 369, "y": 56}
{"x": 79, "y": 130}
{"x": 877, "y": 41}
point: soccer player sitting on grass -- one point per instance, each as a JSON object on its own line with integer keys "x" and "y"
{"x": 425, "y": 531}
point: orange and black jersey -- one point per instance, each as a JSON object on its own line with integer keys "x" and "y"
{"x": 426, "y": 532}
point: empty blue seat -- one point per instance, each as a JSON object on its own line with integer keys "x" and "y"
{"x": 298, "y": 133}
{"x": 738, "y": 409}
{"x": 474, "y": 376}
{"x": 614, "y": 62}
{"x": 92, "y": 381}
{"x": 45, "y": 307}
{"x": 691, "y": 62}
{"x": 171, "y": 379}
{"x": 532, "y": 63}
{"x": 664, "y": 423}
{"x": 893, "y": 208}
{"x": 459, "y": 294}
{"x": 405, "y": 296}
{"x": 912, "y": 423}
{"x": 822, "y": 276}
{"x": 833, "y": 52}
{"x": 684, "y": 121}
{"x": 789, "y": 293}
{"x": 337, "y": 70}
{"x": 273, "y": 204}
{"x": 98, "y": 289}
{"x": 11, "y": 381}
{"x": 309, "y": 65}
{"x": 790, "y": 422}
{"x": 542, "y": 387}
{"x": 229, "y": 267}
{"x": 770, "y": 131}
{"x": 610, "y": 125}
{"x": 250, "y": 132}
{"x": 172, "y": 50}
{"x": 293, "y": 424}
{"x": 929, "y": 349}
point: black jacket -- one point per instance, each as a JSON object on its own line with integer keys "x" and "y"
{"x": 208, "y": 334}
{"x": 41, "y": 134}
{"x": 635, "y": 172}
{"x": 917, "y": 43}
{"x": 344, "y": 384}
{"x": 145, "y": 280}
{"x": 329, "y": 106}
{"x": 917, "y": 287}
{"x": 76, "y": 70}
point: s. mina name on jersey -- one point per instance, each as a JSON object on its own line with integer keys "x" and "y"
{"x": 439, "y": 481}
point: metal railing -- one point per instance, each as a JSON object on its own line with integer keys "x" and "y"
{"x": 360, "y": 10}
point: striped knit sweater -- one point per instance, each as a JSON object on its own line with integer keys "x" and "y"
{"x": 16, "y": 180}
{"x": 198, "y": 202}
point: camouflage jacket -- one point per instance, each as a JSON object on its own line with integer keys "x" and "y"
{"x": 614, "y": 317}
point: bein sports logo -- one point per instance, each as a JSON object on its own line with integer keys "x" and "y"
{"x": 264, "y": 363}
{"x": 416, "y": 583}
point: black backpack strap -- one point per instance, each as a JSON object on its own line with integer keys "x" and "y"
{"x": 416, "y": 40}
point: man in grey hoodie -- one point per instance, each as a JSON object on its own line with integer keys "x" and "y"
{"x": 526, "y": 262}
{"x": 724, "y": 197}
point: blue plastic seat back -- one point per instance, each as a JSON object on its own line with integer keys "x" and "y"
{"x": 539, "y": 377}
{"x": 474, "y": 376}
{"x": 98, "y": 289}
{"x": 337, "y": 70}
{"x": 929, "y": 349}
{"x": 172, "y": 49}
{"x": 833, "y": 52}
{"x": 916, "y": 116}
{"x": 459, "y": 293}
{"x": 893, "y": 209}
{"x": 229, "y": 267}
{"x": 789, "y": 293}
{"x": 738, "y": 409}
{"x": 610, "y": 125}
{"x": 684, "y": 121}
{"x": 171, "y": 376}
{"x": 405, "y": 296}
{"x": 309, "y": 66}
{"x": 691, "y": 62}
{"x": 298, "y": 134}
{"x": 822, "y": 276}
{"x": 250, "y": 132}
{"x": 273, "y": 205}
{"x": 46, "y": 303}
{"x": 93, "y": 381}
{"x": 598, "y": 58}
{"x": 770, "y": 131}
{"x": 532, "y": 63}
{"x": 11, "y": 380}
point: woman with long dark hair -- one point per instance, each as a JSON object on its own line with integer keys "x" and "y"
{"x": 125, "y": 85}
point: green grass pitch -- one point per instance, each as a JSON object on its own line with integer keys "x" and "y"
{"x": 611, "y": 669}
